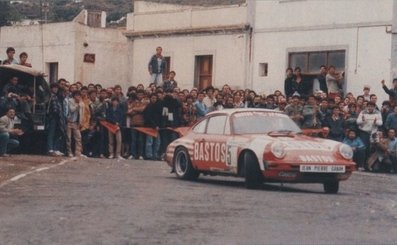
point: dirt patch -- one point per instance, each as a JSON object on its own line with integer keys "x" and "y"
{"x": 17, "y": 164}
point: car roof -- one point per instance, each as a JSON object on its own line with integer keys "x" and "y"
{"x": 22, "y": 69}
{"x": 236, "y": 110}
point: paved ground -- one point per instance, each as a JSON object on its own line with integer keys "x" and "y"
{"x": 137, "y": 202}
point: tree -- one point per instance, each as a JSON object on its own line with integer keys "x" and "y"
{"x": 5, "y": 10}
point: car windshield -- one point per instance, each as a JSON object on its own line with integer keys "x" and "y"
{"x": 258, "y": 122}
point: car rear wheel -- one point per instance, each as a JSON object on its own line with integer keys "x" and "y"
{"x": 331, "y": 187}
{"x": 253, "y": 174}
{"x": 183, "y": 166}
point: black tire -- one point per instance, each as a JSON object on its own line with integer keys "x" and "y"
{"x": 253, "y": 174}
{"x": 183, "y": 165}
{"x": 331, "y": 187}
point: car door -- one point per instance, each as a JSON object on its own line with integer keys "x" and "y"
{"x": 214, "y": 144}
{"x": 199, "y": 137}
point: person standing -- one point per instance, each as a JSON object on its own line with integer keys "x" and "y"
{"x": 115, "y": 115}
{"x": 334, "y": 82}
{"x": 8, "y": 133}
{"x": 289, "y": 82}
{"x": 320, "y": 83}
{"x": 368, "y": 122}
{"x": 55, "y": 131}
{"x": 135, "y": 111}
{"x": 152, "y": 116}
{"x": 74, "y": 119}
{"x": 170, "y": 84}
{"x": 157, "y": 65}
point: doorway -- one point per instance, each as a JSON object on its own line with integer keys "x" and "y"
{"x": 203, "y": 71}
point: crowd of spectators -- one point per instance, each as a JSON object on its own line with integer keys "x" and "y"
{"x": 76, "y": 112}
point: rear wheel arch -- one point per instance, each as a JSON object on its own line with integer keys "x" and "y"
{"x": 183, "y": 165}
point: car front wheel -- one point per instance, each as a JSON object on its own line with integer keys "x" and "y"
{"x": 331, "y": 187}
{"x": 253, "y": 174}
{"x": 183, "y": 165}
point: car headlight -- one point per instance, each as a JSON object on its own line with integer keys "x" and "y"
{"x": 346, "y": 151}
{"x": 278, "y": 150}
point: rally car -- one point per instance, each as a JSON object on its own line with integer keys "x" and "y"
{"x": 261, "y": 146}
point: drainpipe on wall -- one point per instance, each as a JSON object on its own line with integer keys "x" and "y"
{"x": 393, "y": 62}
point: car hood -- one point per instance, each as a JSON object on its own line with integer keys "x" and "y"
{"x": 299, "y": 149}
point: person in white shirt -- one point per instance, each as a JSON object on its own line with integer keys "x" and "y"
{"x": 368, "y": 122}
{"x": 8, "y": 134}
{"x": 209, "y": 99}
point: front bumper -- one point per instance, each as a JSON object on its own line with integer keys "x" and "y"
{"x": 291, "y": 173}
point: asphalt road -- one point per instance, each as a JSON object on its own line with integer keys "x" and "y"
{"x": 138, "y": 202}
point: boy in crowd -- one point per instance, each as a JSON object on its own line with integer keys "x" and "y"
{"x": 74, "y": 120}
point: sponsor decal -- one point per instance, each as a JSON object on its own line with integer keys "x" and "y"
{"x": 209, "y": 151}
{"x": 299, "y": 145}
{"x": 316, "y": 158}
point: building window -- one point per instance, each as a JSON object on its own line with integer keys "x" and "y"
{"x": 53, "y": 71}
{"x": 263, "y": 69}
{"x": 310, "y": 62}
{"x": 167, "y": 70}
{"x": 203, "y": 71}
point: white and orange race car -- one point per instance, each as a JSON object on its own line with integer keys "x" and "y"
{"x": 261, "y": 146}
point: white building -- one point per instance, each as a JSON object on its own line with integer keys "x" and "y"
{"x": 204, "y": 45}
{"x": 250, "y": 45}
{"x": 80, "y": 50}
{"x": 246, "y": 44}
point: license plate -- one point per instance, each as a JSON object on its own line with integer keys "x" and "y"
{"x": 322, "y": 169}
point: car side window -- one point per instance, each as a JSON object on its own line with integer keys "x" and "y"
{"x": 200, "y": 128}
{"x": 216, "y": 125}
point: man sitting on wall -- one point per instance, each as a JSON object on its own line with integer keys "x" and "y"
{"x": 8, "y": 134}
